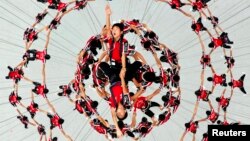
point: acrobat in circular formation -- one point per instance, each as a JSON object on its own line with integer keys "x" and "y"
{"x": 115, "y": 68}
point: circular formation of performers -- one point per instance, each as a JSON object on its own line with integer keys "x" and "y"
{"x": 121, "y": 76}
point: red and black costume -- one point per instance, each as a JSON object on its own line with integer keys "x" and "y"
{"x": 40, "y": 89}
{"x": 32, "y": 109}
{"x": 15, "y": 74}
{"x": 14, "y": 99}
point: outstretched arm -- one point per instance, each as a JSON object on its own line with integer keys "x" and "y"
{"x": 161, "y": 0}
{"x": 138, "y": 55}
{"x": 195, "y": 110}
{"x": 105, "y": 53}
{"x": 223, "y": 92}
{"x": 157, "y": 60}
{"x": 47, "y": 40}
{"x": 210, "y": 105}
{"x": 133, "y": 122}
{"x": 202, "y": 77}
{"x": 157, "y": 91}
{"x": 124, "y": 86}
{"x": 118, "y": 130}
{"x": 212, "y": 69}
{"x": 137, "y": 94}
{"x": 108, "y": 25}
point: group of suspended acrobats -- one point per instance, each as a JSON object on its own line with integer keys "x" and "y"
{"x": 115, "y": 68}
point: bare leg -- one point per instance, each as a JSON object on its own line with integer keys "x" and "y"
{"x": 43, "y": 74}
{"x": 27, "y": 79}
{"x": 210, "y": 105}
{"x": 41, "y": 137}
{"x": 21, "y": 64}
{"x": 201, "y": 42}
{"x": 47, "y": 40}
{"x": 193, "y": 137}
{"x": 186, "y": 14}
{"x": 65, "y": 135}
{"x": 183, "y": 135}
{"x": 82, "y": 90}
{"x": 201, "y": 120}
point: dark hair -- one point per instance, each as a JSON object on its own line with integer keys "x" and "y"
{"x": 19, "y": 98}
{"x": 205, "y": 60}
{"x": 61, "y": 121}
{"x": 208, "y": 113}
{"x": 25, "y": 118}
{"x": 45, "y": 90}
{"x": 151, "y": 34}
{"x": 136, "y": 65}
{"x": 131, "y": 94}
{"x": 47, "y": 56}
{"x": 144, "y": 130}
{"x": 232, "y": 60}
{"x": 144, "y": 119}
{"x": 223, "y": 75}
{"x": 147, "y": 44}
{"x": 230, "y": 83}
{"x": 119, "y": 25}
{"x": 35, "y": 37}
{"x": 35, "y": 105}
{"x": 211, "y": 45}
{"x": 217, "y": 99}
{"x": 176, "y": 78}
{"x": 54, "y": 139}
{"x": 68, "y": 91}
{"x": 93, "y": 50}
{"x": 219, "y": 122}
{"x": 104, "y": 66}
{"x": 198, "y": 92}
{"x": 177, "y": 101}
{"x": 149, "y": 76}
{"x": 64, "y": 10}
{"x": 193, "y": 26}
{"x": 94, "y": 104}
{"x": 161, "y": 117}
{"x": 123, "y": 118}
{"x": 86, "y": 70}
{"x": 209, "y": 79}
{"x": 164, "y": 98}
{"x": 49, "y": 115}
{"x": 224, "y": 84}
{"x": 196, "y": 122}
{"x": 163, "y": 59}
{"x": 86, "y": 77}
{"x": 187, "y": 125}
{"x": 173, "y": 6}
{"x": 60, "y": 94}
{"x": 20, "y": 72}
{"x": 158, "y": 79}
{"x": 205, "y": 135}
{"x": 120, "y": 124}
{"x": 195, "y": 8}
{"x": 96, "y": 121}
